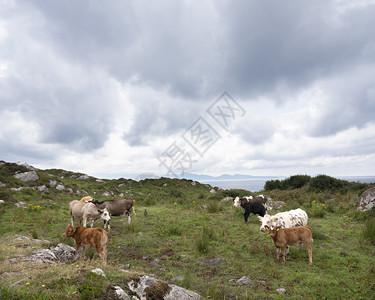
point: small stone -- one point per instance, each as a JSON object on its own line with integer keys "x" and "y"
{"x": 281, "y": 291}
{"x": 98, "y": 272}
{"x": 244, "y": 281}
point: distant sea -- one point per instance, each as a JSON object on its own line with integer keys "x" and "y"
{"x": 256, "y": 185}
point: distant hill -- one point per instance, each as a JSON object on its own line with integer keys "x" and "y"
{"x": 202, "y": 177}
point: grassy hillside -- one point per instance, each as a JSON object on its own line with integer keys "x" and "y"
{"x": 182, "y": 229}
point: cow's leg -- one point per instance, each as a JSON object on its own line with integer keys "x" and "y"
{"x": 84, "y": 221}
{"x": 72, "y": 220}
{"x": 133, "y": 210}
{"x": 92, "y": 223}
{"x": 288, "y": 257}
{"x": 83, "y": 252}
{"x": 128, "y": 217}
{"x": 283, "y": 254}
{"x": 309, "y": 251}
{"x": 277, "y": 254}
{"x": 246, "y": 216}
{"x": 76, "y": 252}
{"x": 102, "y": 252}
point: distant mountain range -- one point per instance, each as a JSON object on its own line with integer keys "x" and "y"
{"x": 202, "y": 177}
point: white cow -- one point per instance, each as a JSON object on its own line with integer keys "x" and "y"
{"x": 87, "y": 211}
{"x": 286, "y": 219}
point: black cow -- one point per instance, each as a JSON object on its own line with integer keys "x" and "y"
{"x": 250, "y": 207}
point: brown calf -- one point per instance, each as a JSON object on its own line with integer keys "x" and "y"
{"x": 86, "y": 198}
{"x": 88, "y": 237}
{"x": 283, "y": 237}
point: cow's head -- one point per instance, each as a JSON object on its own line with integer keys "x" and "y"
{"x": 104, "y": 214}
{"x": 272, "y": 230}
{"x": 69, "y": 231}
{"x": 236, "y": 202}
{"x": 266, "y": 221}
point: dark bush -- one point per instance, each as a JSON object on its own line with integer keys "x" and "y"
{"x": 273, "y": 185}
{"x": 324, "y": 183}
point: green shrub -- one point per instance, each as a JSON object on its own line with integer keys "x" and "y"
{"x": 323, "y": 183}
{"x": 202, "y": 244}
{"x": 175, "y": 193}
{"x": 273, "y": 185}
{"x": 368, "y": 230}
{"x": 318, "y": 210}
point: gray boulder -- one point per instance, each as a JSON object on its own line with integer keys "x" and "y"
{"x": 150, "y": 288}
{"x": 63, "y": 252}
{"x": 2, "y": 184}
{"x": 367, "y": 199}
{"x": 42, "y": 256}
{"x": 27, "y": 176}
{"x": 60, "y": 187}
{"x": 244, "y": 281}
{"x": 122, "y": 185}
{"x": 98, "y": 271}
{"x": 83, "y": 177}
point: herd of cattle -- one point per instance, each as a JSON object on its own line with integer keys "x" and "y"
{"x": 285, "y": 228}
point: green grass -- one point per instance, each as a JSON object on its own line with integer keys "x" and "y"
{"x": 181, "y": 230}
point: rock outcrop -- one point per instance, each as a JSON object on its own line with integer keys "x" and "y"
{"x": 27, "y": 176}
{"x": 150, "y": 288}
{"x": 367, "y": 199}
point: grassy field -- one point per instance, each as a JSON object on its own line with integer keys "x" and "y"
{"x": 181, "y": 229}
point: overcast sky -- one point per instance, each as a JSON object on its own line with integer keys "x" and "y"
{"x": 120, "y": 88}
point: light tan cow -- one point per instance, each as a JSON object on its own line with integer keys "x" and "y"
{"x": 283, "y": 237}
{"x": 88, "y": 237}
{"x": 87, "y": 198}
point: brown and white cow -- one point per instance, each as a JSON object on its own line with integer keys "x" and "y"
{"x": 282, "y": 237}
{"x": 87, "y": 211}
{"x": 116, "y": 208}
{"x": 88, "y": 237}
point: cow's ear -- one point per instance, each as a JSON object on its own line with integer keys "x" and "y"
{"x": 100, "y": 210}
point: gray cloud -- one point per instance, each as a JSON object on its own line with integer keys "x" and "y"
{"x": 65, "y": 61}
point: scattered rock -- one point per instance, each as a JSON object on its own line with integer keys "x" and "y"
{"x": 99, "y": 180}
{"x": 60, "y": 187}
{"x": 63, "y": 252}
{"x": 227, "y": 199}
{"x": 122, "y": 185}
{"x": 26, "y": 165}
{"x": 83, "y": 177}
{"x": 244, "y": 281}
{"x": 98, "y": 272}
{"x": 211, "y": 261}
{"x": 106, "y": 194}
{"x": 281, "y": 291}
{"x": 2, "y": 201}
{"x": 18, "y": 189}
{"x": 116, "y": 292}
{"x": 212, "y": 191}
{"x": 27, "y": 176}
{"x": 367, "y": 199}
{"x": 194, "y": 183}
{"x": 13, "y": 260}
{"x": 150, "y": 288}
{"x": 21, "y": 204}
{"x": 2, "y": 184}
{"x": 15, "y": 284}
{"x": 52, "y": 182}
{"x": 165, "y": 184}
{"x": 41, "y": 188}
{"x": 270, "y": 204}
{"x": 70, "y": 190}
{"x": 178, "y": 278}
{"x": 42, "y": 256}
